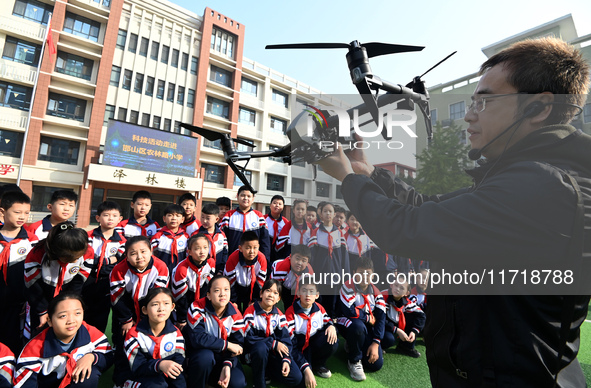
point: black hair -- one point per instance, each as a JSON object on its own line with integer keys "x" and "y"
{"x": 296, "y": 201}
{"x": 225, "y": 201}
{"x": 187, "y": 196}
{"x": 135, "y": 239}
{"x": 63, "y": 194}
{"x": 244, "y": 188}
{"x": 60, "y": 298}
{"x": 211, "y": 209}
{"x": 248, "y": 236}
{"x": 349, "y": 214}
{"x": 320, "y": 206}
{"x": 9, "y": 198}
{"x": 340, "y": 209}
{"x": 269, "y": 283}
{"x": 106, "y": 206}
{"x": 307, "y": 280}
{"x": 214, "y": 279}
{"x": 141, "y": 194}
{"x": 9, "y": 187}
{"x": 277, "y": 196}
{"x": 173, "y": 208}
{"x": 65, "y": 241}
{"x": 302, "y": 250}
{"x": 152, "y": 293}
{"x": 195, "y": 237}
{"x": 325, "y": 204}
{"x": 311, "y": 208}
{"x": 364, "y": 262}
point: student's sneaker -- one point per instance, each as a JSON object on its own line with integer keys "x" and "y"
{"x": 409, "y": 352}
{"x": 356, "y": 370}
{"x": 323, "y": 372}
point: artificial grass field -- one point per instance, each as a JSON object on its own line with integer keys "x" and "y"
{"x": 398, "y": 370}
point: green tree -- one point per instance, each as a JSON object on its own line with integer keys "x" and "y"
{"x": 443, "y": 162}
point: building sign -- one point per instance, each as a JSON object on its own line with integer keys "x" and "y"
{"x": 129, "y": 146}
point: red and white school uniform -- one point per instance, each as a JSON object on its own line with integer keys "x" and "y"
{"x": 189, "y": 283}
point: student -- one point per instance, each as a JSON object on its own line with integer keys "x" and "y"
{"x": 66, "y": 354}
{"x": 364, "y": 316}
{"x": 191, "y": 224}
{"x": 60, "y": 263}
{"x": 224, "y": 204}
{"x": 311, "y": 217}
{"x": 340, "y": 218}
{"x": 329, "y": 255}
{"x": 169, "y": 244}
{"x": 5, "y": 189}
{"x": 130, "y": 281}
{"x": 154, "y": 347}
{"x": 275, "y": 224}
{"x": 214, "y": 337}
{"x": 359, "y": 244}
{"x": 62, "y": 206}
{"x": 418, "y": 294}
{"x": 300, "y": 229}
{"x": 109, "y": 247}
{"x": 244, "y": 219}
{"x": 15, "y": 243}
{"x": 313, "y": 335}
{"x": 7, "y": 362}
{"x": 217, "y": 238}
{"x": 404, "y": 319}
{"x": 268, "y": 343}
{"x": 190, "y": 279}
{"x": 246, "y": 270}
{"x": 288, "y": 271}
{"x": 140, "y": 224}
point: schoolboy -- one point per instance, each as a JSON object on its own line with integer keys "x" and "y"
{"x": 224, "y": 204}
{"x": 313, "y": 335}
{"x": 404, "y": 319}
{"x": 247, "y": 270}
{"x": 217, "y": 238}
{"x": 15, "y": 243}
{"x": 214, "y": 338}
{"x": 169, "y": 244}
{"x": 363, "y": 319}
{"x": 109, "y": 248}
{"x": 62, "y": 206}
{"x": 340, "y": 216}
{"x": 359, "y": 244}
{"x": 311, "y": 217}
{"x": 191, "y": 224}
{"x": 243, "y": 219}
{"x": 4, "y": 189}
{"x": 275, "y": 224}
{"x": 289, "y": 270}
{"x": 190, "y": 279}
{"x": 140, "y": 224}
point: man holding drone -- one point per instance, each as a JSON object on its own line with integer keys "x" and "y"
{"x": 529, "y": 210}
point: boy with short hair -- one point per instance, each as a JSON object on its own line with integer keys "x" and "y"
{"x": 109, "y": 248}
{"x": 247, "y": 270}
{"x": 340, "y": 217}
{"x": 275, "y": 224}
{"x": 217, "y": 238}
{"x": 289, "y": 271}
{"x": 311, "y": 217}
{"x": 243, "y": 219}
{"x": 62, "y": 206}
{"x": 15, "y": 243}
{"x": 169, "y": 244}
{"x": 191, "y": 224}
{"x": 224, "y": 204}
{"x": 140, "y": 224}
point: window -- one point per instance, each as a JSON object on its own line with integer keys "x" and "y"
{"x": 298, "y": 186}
{"x": 433, "y": 117}
{"x": 146, "y": 119}
{"x": 247, "y": 175}
{"x": 220, "y": 76}
{"x": 279, "y": 98}
{"x": 11, "y": 143}
{"x": 59, "y": 150}
{"x": 15, "y": 96}
{"x": 246, "y": 116}
{"x": 127, "y": 79}
{"x": 115, "y": 75}
{"x": 174, "y": 62}
{"x": 167, "y": 124}
{"x": 457, "y": 111}
{"x": 109, "y": 114}
{"x": 275, "y": 182}
{"x": 243, "y": 147}
{"x": 74, "y": 65}
{"x": 222, "y": 42}
{"x": 177, "y": 127}
{"x": 67, "y": 107}
{"x": 133, "y": 116}
{"x": 338, "y": 193}
{"x": 154, "y": 50}
{"x": 194, "y": 62}
{"x": 217, "y": 107}
{"x": 83, "y": 27}
{"x": 180, "y": 96}
{"x": 150, "y": 86}
{"x": 132, "y": 43}
{"x": 185, "y": 61}
{"x": 144, "y": 47}
{"x": 587, "y": 113}
{"x": 139, "y": 83}
{"x": 191, "y": 98}
{"x": 122, "y": 115}
{"x": 275, "y": 158}
{"x": 156, "y": 122}
{"x": 164, "y": 54}
{"x": 32, "y": 10}
{"x": 216, "y": 144}
{"x": 160, "y": 90}
{"x": 249, "y": 86}
{"x": 170, "y": 95}
{"x": 278, "y": 125}
{"x": 21, "y": 51}
{"x": 214, "y": 173}
{"x": 322, "y": 189}
{"x": 121, "y": 38}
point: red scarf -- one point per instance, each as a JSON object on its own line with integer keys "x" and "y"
{"x": 359, "y": 244}
{"x": 401, "y": 318}
{"x": 223, "y": 331}
{"x": 366, "y": 299}
{"x": 70, "y": 366}
{"x": 60, "y": 278}
{"x": 308, "y": 320}
{"x": 5, "y": 255}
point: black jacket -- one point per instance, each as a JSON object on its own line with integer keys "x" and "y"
{"x": 529, "y": 210}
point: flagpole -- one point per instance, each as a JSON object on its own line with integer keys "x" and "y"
{"x": 20, "y": 166}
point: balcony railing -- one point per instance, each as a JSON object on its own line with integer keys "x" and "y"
{"x": 21, "y": 27}
{"x": 16, "y": 71}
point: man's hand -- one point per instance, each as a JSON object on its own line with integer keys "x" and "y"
{"x": 339, "y": 165}
{"x": 126, "y": 327}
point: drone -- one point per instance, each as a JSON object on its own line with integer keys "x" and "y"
{"x": 304, "y": 147}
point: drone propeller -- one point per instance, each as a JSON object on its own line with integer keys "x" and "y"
{"x": 373, "y": 49}
{"x": 418, "y": 79}
{"x": 206, "y": 133}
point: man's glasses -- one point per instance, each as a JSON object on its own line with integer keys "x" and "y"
{"x": 479, "y": 104}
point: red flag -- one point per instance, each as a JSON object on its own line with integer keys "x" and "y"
{"x": 51, "y": 45}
